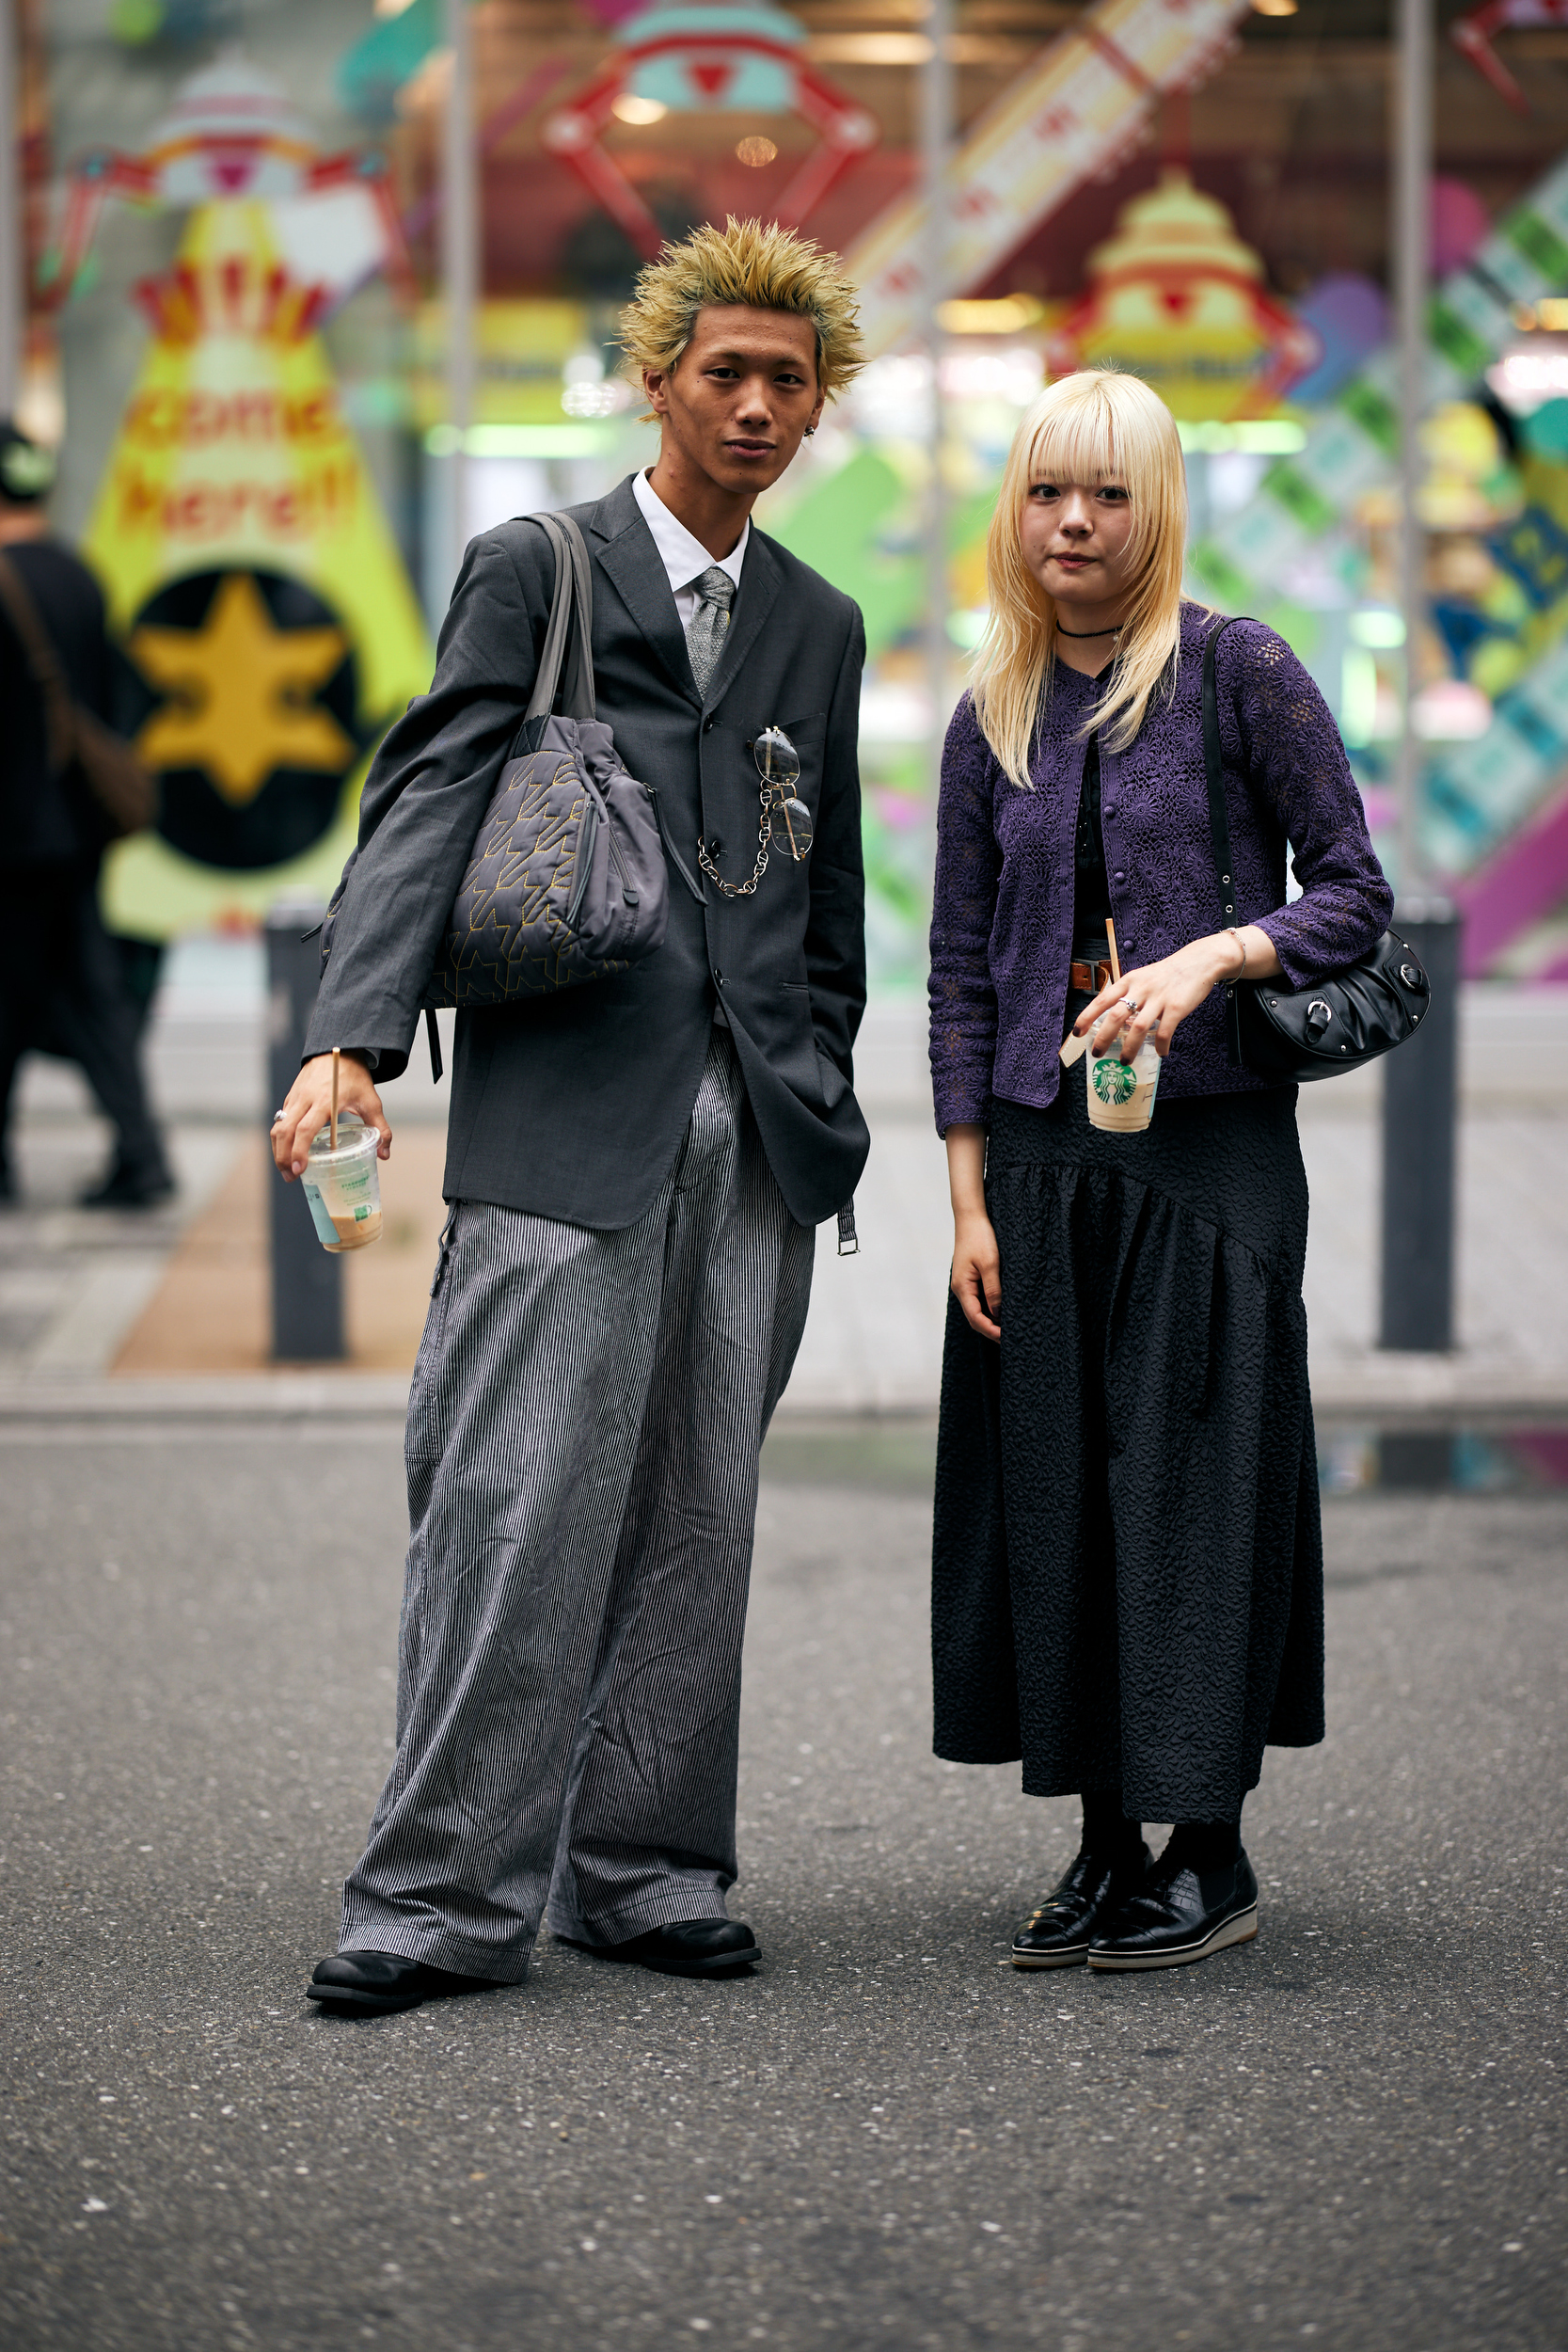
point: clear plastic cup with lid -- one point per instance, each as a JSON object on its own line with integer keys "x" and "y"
{"x": 1122, "y": 1093}
{"x": 343, "y": 1186}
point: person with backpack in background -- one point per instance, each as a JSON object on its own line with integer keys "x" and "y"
{"x": 62, "y": 982}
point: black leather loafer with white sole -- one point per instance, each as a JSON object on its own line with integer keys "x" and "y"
{"x": 1059, "y": 1933}
{"x": 1178, "y": 1915}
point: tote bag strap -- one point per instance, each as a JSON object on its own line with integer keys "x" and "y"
{"x": 43, "y": 663}
{"x": 1219, "y": 822}
{"x": 568, "y": 653}
{"x": 1213, "y": 775}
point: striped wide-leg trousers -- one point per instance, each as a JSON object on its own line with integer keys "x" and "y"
{"x": 584, "y": 1423}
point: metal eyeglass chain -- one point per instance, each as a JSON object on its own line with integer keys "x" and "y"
{"x": 765, "y": 840}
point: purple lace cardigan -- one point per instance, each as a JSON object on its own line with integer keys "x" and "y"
{"x": 1003, "y": 906}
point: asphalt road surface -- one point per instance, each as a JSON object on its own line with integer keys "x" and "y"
{"x": 1350, "y": 2134}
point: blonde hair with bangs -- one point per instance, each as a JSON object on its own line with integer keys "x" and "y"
{"x": 752, "y": 262}
{"x": 1093, "y": 427}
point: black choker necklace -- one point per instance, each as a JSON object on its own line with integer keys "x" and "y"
{"x": 1087, "y": 633}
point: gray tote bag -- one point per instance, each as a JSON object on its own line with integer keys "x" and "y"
{"x": 567, "y": 881}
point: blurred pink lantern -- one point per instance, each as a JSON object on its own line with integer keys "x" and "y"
{"x": 1460, "y": 225}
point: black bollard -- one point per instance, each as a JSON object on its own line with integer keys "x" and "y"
{"x": 1420, "y": 1114}
{"x": 306, "y": 1280}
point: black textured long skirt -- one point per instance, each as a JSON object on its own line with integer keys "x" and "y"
{"x": 1126, "y": 1583}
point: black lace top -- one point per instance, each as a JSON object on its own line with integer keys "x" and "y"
{"x": 1091, "y": 899}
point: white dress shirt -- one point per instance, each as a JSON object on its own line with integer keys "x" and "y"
{"x": 684, "y": 558}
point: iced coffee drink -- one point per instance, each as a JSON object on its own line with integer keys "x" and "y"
{"x": 1122, "y": 1093}
{"x": 343, "y": 1186}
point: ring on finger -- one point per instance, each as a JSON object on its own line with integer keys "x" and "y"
{"x": 1131, "y": 1003}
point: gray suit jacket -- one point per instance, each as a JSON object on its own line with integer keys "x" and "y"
{"x": 573, "y": 1106}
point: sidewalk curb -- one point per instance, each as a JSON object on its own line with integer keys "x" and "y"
{"x": 234, "y": 1398}
{"x": 1391, "y": 1391}
{"x": 1438, "y": 1391}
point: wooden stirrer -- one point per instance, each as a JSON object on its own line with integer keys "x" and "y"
{"x": 1115, "y": 960}
{"x": 336, "y": 1062}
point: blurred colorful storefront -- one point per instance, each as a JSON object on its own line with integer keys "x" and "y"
{"x": 1194, "y": 189}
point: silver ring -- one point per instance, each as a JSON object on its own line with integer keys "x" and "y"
{"x": 1131, "y": 1003}
{"x": 278, "y": 1117}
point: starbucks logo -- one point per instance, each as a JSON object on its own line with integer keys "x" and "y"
{"x": 1115, "y": 1080}
{"x": 246, "y": 702}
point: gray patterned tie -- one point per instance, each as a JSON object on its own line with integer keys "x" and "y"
{"x": 707, "y": 628}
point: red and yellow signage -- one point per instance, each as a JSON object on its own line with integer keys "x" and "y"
{"x": 255, "y": 585}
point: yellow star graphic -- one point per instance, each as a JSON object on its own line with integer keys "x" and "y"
{"x": 241, "y": 691}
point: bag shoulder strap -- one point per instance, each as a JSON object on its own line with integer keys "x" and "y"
{"x": 568, "y": 638}
{"x": 1213, "y": 775}
{"x": 580, "y": 692}
{"x": 48, "y": 672}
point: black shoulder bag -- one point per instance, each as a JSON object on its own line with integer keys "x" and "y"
{"x": 1291, "y": 1037}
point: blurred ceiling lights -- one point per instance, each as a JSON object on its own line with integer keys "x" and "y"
{"x": 1530, "y": 375}
{"x": 1377, "y": 626}
{"x": 1253, "y": 437}
{"x": 628, "y": 107}
{"x": 1009, "y": 315}
{"x": 871, "y": 48}
{"x": 587, "y": 391}
{"x": 995, "y": 49}
{"x": 1451, "y": 711}
{"x": 756, "y": 153}
{"x": 598, "y": 400}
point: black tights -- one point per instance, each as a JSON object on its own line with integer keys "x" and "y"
{"x": 1193, "y": 1845}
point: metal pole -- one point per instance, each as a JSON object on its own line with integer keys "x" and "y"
{"x": 307, "y": 1280}
{"x": 13, "y": 291}
{"x": 1412, "y": 211}
{"x": 1419, "y": 1091}
{"x": 1420, "y": 1082}
{"x": 460, "y": 269}
{"x": 936, "y": 126}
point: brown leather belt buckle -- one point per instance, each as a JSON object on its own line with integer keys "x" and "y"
{"x": 1090, "y": 977}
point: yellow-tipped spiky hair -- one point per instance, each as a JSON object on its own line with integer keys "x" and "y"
{"x": 754, "y": 263}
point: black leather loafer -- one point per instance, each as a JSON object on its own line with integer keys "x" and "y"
{"x": 376, "y": 1983}
{"x": 689, "y": 1948}
{"x": 1058, "y": 1934}
{"x": 1178, "y": 1915}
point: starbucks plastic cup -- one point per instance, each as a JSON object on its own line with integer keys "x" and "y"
{"x": 343, "y": 1187}
{"x": 1122, "y": 1093}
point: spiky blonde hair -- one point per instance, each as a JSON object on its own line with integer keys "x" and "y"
{"x": 752, "y": 262}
